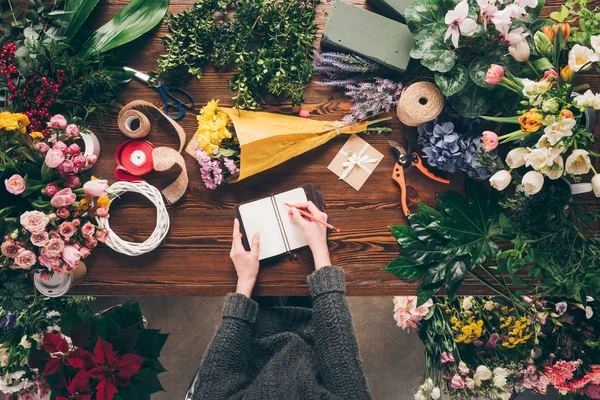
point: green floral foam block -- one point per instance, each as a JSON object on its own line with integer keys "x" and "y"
{"x": 393, "y": 9}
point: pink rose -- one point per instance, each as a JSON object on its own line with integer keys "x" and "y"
{"x": 15, "y": 184}
{"x": 63, "y": 198}
{"x": 73, "y": 181}
{"x": 67, "y": 167}
{"x": 494, "y": 74}
{"x": 91, "y": 242}
{"x": 25, "y": 259}
{"x": 102, "y": 212}
{"x": 42, "y": 147}
{"x": 57, "y": 121}
{"x": 84, "y": 251}
{"x": 67, "y": 229}
{"x": 76, "y": 222}
{"x": 52, "y": 263}
{"x": 54, "y": 158}
{"x": 40, "y": 239}
{"x": 10, "y": 249}
{"x": 95, "y": 188}
{"x": 54, "y": 247}
{"x": 458, "y": 382}
{"x": 72, "y": 130}
{"x": 91, "y": 160}
{"x": 79, "y": 161}
{"x": 63, "y": 213}
{"x": 490, "y": 140}
{"x": 88, "y": 229}
{"x": 74, "y": 149}
{"x": 102, "y": 235}
{"x": 71, "y": 256}
{"x": 34, "y": 221}
{"x": 51, "y": 189}
{"x": 62, "y": 147}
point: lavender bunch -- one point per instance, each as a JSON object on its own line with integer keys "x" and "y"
{"x": 372, "y": 98}
{"x": 342, "y": 69}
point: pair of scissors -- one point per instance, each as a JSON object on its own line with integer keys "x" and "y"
{"x": 405, "y": 160}
{"x": 174, "y": 106}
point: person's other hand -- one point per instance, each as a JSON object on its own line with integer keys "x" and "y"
{"x": 314, "y": 232}
{"x": 245, "y": 262}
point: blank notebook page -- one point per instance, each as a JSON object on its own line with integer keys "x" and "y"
{"x": 260, "y": 216}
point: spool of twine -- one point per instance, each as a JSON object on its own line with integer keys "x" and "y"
{"x": 420, "y": 102}
{"x": 134, "y": 124}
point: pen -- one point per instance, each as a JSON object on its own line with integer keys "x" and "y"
{"x": 313, "y": 218}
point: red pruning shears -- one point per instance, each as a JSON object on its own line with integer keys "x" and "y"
{"x": 405, "y": 160}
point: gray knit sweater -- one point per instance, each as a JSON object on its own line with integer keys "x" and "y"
{"x": 285, "y": 353}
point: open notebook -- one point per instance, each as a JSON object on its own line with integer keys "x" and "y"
{"x": 269, "y": 216}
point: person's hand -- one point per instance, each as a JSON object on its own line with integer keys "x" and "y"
{"x": 314, "y": 232}
{"x": 245, "y": 262}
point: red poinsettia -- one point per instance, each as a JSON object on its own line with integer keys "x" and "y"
{"x": 78, "y": 387}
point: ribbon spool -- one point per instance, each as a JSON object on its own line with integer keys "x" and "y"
{"x": 420, "y": 103}
{"x": 136, "y": 158}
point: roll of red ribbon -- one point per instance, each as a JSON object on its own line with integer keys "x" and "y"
{"x": 134, "y": 160}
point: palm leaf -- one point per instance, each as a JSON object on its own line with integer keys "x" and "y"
{"x": 135, "y": 19}
{"x": 75, "y": 14}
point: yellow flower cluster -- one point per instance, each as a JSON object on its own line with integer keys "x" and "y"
{"x": 467, "y": 332}
{"x": 213, "y": 127}
{"x": 36, "y": 135}
{"x": 103, "y": 201}
{"x": 518, "y": 331}
{"x": 531, "y": 121}
{"x": 13, "y": 121}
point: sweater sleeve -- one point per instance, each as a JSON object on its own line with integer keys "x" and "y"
{"x": 227, "y": 366}
{"x": 335, "y": 341}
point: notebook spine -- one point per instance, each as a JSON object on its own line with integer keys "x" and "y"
{"x": 286, "y": 242}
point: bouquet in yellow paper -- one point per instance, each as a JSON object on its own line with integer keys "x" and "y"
{"x": 231, "y": 145}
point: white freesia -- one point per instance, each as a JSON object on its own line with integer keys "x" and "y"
{"x": 533, "y": 90}
{"x": 482, "y": 373}
{"x": 578, "y": 163}
{"x": 538, "y": 158}
{"x": 585, "y": 100}
{"x": 500, "y": 180}
{"x": 532, "y": 182}
{"x": 24, "y": 343}
{"x": 436, "y": 393}
{"x": 52, "y": 314}
{"x": 520, "y": 51}
{"x": 559, "y": 129}
{"x": 516, "y": 157}
{"x": 556, "y": 171}
{"x": 14, "y": 382}
{"x": 458, "y": 22}
{"x": 596, "y": 185}
{"x": 581, "y": 58}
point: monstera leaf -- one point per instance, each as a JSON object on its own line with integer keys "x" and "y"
{"x": 442, "y": 244}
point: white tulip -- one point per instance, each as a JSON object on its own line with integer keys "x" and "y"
{"x": 500, "y": 180}
{"x": 581, "y": 58}
{"x": 516, "y": 157}
{"x": 595, "y": 42}
{"x": 596, "y": 184}
{"x": 589, "y": 313}
{"x": 520, "y": 51}
{"x": 532, "y": 182}
{"x": 538, "y": 159}
{"x": 556, "y": 171}
{"x": 578, "y": 163}
{"x": 558, "y": 130}
{"x": 483, "y": 373}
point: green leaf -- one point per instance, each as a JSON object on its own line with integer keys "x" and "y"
{"x": 560, "y": 15}
{"x": 507, "y": 102}
{"x": 478, "y": 71}
{"x": 441, "y": 60}
{"x": 434, "y": 276}
{"x": 404, "y": 234}
{"x": 76, "y": 12}
{"x": 500, "y": 55}
{"x": 455, "y": 272}
{"x": 424, "y": 294}
{"x": 422, "y": 47}
{"x": 454, "y": 81}
{"x": 405, "y": 269}
{"x": 135, "y": 19}
{"x": 471, "y": 102}
{"x": 425, "y": 18}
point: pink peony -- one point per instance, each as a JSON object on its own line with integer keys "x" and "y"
{"x": 91, "y": 242}
{"x": 10, "y": 249}
{"x": 67, "y": 168}
{"x": 34, "y": 221}
{"x": 63, "y": 198}
{"x": 67, "y": 229}
{"x": 73, "y": 181}
{"x": 51, "y": 189}
{"x": 490, "y": 140}
{"x": 63, "y": 213}
{"x": 40, "y": 239}
{"x": 79, "y": 161}
{"x": 447, "y": 358}
{"x": 494, "y": 74}
{"x": 95, "y": 188}
{"x": 102, "y": 235}
{"x": 42, "y": 147}
{"x": 84, "y": 251}
{"x": 88, "y": 229}
{"x": 91, "y": 160}
{"x": 57, "y": 121}
{"x": 54, "y": 247}
{"x": 71, "y": 256}
{"x": 62, "y": 147}
{"x": 102, "y": 212}
{"x": 15, "y": 184}
{"x": 52, "y": 263}
{"x": 406, "y": 312}
{"x": 458, "y": 382}
{"x": 25, "y": 259}
{"x": 54, "y": 158}
{"x": 74, "y": 149}
{"x": 72, "y": 130}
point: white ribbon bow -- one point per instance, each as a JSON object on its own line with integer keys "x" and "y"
{"x": 357, "y": 160}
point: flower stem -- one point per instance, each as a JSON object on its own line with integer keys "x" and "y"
{"x": 481, "y": 280}
{"x": 533, "y": 69}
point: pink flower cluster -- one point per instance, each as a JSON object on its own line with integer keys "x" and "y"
{"x": 406, "y": 312}
{"x": 215, "y": 171}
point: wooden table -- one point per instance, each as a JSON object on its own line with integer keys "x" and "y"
{"x": 194, "y": 260}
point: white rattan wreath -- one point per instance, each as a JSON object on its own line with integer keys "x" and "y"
{"x": 162, "y": 219}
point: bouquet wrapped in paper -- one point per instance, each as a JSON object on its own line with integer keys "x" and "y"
{"x": 231, "y": 145}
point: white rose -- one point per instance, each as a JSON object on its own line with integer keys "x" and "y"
{"x": 504, "y": 395}
{"x": 578, "y": 163}
{"x": 581, "y": 58}
{"x": 482, "y": 373}
{"x": 500, "y": 180}
{"x": 499, "y": 371}
{"x": 467, "y": 303}
{"x": 499, "y": 381}
{"x": 532, "y": 182}
{"x": 420, "y": 396}
{"x": 463, "y": 369}
{"x": 470, "y": 383}
{"x": 436, "y": 393}
{"x": 558, "y": 130}
{"x": 516, "y": 157}
{"x": 589, "y": 313}
{"x": 557, "y": 171}
{"x": 538, "y": 159}
{"x": 489, "y": 305}
{"x": 428, "y": 385}
{"x": 25, "y": 343}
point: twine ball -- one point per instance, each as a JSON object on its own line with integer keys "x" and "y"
{"x": 420, "y": 102}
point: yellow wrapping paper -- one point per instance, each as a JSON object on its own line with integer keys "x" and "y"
{"x": 268, "y": 139}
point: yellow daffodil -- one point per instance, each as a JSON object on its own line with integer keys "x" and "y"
{"x": 103, "y": 201}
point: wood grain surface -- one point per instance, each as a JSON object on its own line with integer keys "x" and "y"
{"x": 194, "y": 258}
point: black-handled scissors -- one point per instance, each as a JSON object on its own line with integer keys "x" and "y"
{"x": 174, "y": 106}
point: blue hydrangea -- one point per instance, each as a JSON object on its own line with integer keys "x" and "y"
{"x": 452, "y": 143}
{"x": 7, "y": 320}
